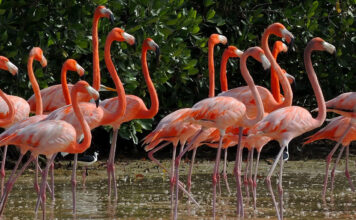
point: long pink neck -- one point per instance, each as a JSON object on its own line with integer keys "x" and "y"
{"x": 246, "y": 75}
{"x": 275, "y": 88}
{"x": 152, "y": 111}
{"x": 121, "y": 107}
{"x": 11, "y": 114}
{"x": 96, "y": 64}
{"x": 316, "y": 87}
{"x": 35, "y": 86}
{"x": 79, "y": 148}
{"x": 65, "y": 85}
{"x": 223, "y": 77}
{"x": 211, "y": 69}
{"x": 288, "y": 95}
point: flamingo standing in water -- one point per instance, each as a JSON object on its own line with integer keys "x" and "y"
{"x": 180, "y": 132}
{"x": 135, "y": 109}
{"x": 93, "y": 115}
{"x": 52, "y": 96}
{"x": 48, "y": 137}
{"x": 21, "y": 107}
{"x": 287, "y": 123}
{"x": 222, "y": 112}
{"x": 336, "y": 130}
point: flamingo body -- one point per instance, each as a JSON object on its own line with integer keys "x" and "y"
{"x": 22, "y": 109}
{"x": 343, "y": 104}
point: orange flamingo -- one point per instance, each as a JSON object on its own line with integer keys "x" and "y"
{"x": 286, "y": 123}
{"x": 135, "y": 109}
{"x": 336, "y": 131}
{"x": 93, "y": 115}
{"x": 52, "y": 96}
{"x": 21, "y": 107}
{"x": 222, "y": 112}
{"x": 48, "y": 137}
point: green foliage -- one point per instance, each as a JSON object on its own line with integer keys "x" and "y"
{"x": 181, "y": 28}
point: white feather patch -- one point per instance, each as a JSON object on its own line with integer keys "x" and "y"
{"x": 11, "y": 67}
{"x": 265, "y": 62}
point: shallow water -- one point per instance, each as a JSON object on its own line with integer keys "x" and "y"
{"x": 144, "y": 194}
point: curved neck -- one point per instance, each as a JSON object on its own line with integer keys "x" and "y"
{"x": 65, "y": 86}
{"x": 316, "y": 87}
{"x": 11, "y": 114}
{"x": 247, "y": 77}
{"x": 96, "y": 64}
{"x": 223, "y": 77}
{"x": 121, "y": 107}
{"x": 288, "y": 95}
{"x": 35, "y": 87}
{"x": 211, "y": 69}
{"x": 152, "y": 111}
{"x": 275, "y": 88}
{"x": 79, "y": 148}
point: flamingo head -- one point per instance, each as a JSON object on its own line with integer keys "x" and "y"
{"x": 149, "y": 44}
{"x": 319, "y": 44}
{"x": 37, "y": 54}
{"x": 279, "y": 46}
{"x": 279, "y": 30}
{"x": 5, "y": 64}
{"x": 258, "y": 54}
{"x": 232, "y": 51}
{"x": 217, "y": 39}
{"x": 120, "y": 35}
{"x": 83, "y": 87}
{"x": 101, "y": 11}
{"x": 72, "y": 65}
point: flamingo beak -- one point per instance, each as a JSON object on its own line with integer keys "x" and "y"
{"x": 112, "y": 19}
{"x": 97, "y": 102}
{"x": 158, "y": 53}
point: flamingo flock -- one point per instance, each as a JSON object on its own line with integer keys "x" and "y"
{"x": 247, "y": 116}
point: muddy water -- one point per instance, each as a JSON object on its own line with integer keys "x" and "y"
{"x": 144, "y": 194}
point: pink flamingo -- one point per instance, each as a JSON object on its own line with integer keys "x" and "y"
{"x": 180, "y": 132}
{"x": 135, "y": 109}
{"x": 286, "y": 123}
{"x": 52, "y": 96}
{"x": 93, "y": 115}
{"x": 336, "y": 131}
{"x": 21, "y": 107}
{"x": 48, "y": 137}
{"x": 222, "y": 112}
{"x": 343, "y": 104}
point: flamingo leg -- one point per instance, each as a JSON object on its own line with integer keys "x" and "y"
{"x": 176, "y": 178}
{"x": 225, "y": 172}
{"x": 42, "y": 195}
{"x": 280, "y": 188}
{"x": 216, "y": 171}
{"x": 250, "y": 181}
{"x": 84, "y": 174}
{"x": 246, "y": 175}
{"x": 171, "y": 176}
{"x": 3, "y": 169}
{"x": 111, "y": 164}
{"x": 347, "y": 174}
{"x": 255, "y": 180}
{"x": 180, "y": 184}
{"x": 189, "y": 178}
{"x": 334, "y": 168}
{"x": 52, "y": 181}
{"x": 268, "y": 180}
{"x": 237, "y": 172}
{"x": 11, "y": 181}
{"x": 35, "y": 184}
{"x": 74, "y": 182}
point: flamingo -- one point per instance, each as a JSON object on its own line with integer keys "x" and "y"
{"x": 93, "y": 115}
{"x": 180, "y": 132}
{"x": 343, "y": 104}
{"x": 48, "y": 137}
{"x": 21, "y": 107}
{"x": 222, "y": 112}
{"x": 135, "y": 109}
{"x": 336, "y": 131}
{"x": 52, "y": 96}
{"x": 289, "y": 122}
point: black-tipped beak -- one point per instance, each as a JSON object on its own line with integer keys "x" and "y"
{"x": 291, "y": 44}
{"x": 97, "y": 102}
{"x": 294, "y": 86}
{"x": 112, "y": 19}
{"x": 158, "y": 53}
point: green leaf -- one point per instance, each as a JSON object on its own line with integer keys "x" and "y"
{"x": 210, "y": 14}
{"x": 195, "y": 30}
{"x": 190, "y": 64}
{"x": 207, "y": 3}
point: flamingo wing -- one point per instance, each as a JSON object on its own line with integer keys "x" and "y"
{"x": 342, "y": 104}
